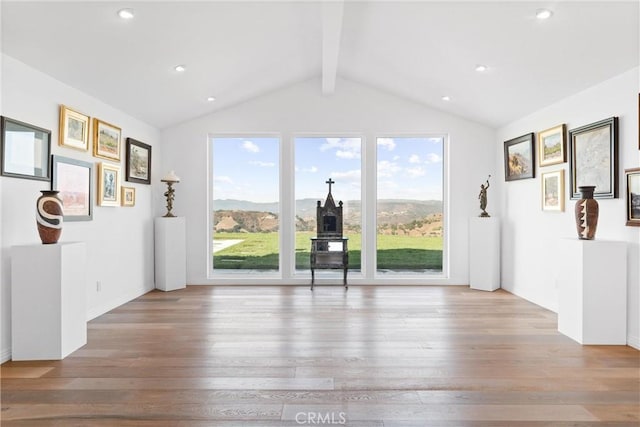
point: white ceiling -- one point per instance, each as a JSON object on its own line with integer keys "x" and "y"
{"x": 237, "y": 50}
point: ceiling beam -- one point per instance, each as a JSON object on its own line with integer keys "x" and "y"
{"x": 331, "y": 28}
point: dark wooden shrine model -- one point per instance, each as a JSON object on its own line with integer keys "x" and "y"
{"x": 329, "y": 247}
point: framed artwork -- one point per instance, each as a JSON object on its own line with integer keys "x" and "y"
{"x": 74, "y": 180}
{"x": 106, "y": 140}
{"x": 518, "y": 158}
{"x": 74, "y": 129}
{"x": 138, "y": 162}
{"x": 593, "y": 158}
{"x": 633, "y": 196}
{"x": 108, "y": 184}
{"x": 24, "y": 150}
{"x": 551, "y": 146}
{"x": 553, "y": 191}
{"x": 128, "y": 196}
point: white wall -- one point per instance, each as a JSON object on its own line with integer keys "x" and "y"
{"x": 530, "y": 235}
{"x": 353, "y": 110}
{"x": 119, "y": 240}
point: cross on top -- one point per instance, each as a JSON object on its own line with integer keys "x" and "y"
{"x": 330, "y": 182}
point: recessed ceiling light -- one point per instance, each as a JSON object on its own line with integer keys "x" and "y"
{"x": 543, "y": 14}
{"x": 446, "y": 98}
{"x": 481, "y": 68}
{"x": 126, "y": 13}
{"x": 180, "y": 68}
{"x": 211, "y": 98}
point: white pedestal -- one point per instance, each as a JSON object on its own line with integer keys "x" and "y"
{"x": 48, "y": 300}
{"x": 170, "y": 253}
{"x": 592, "y": 280}
{"x": 484, "y": 253}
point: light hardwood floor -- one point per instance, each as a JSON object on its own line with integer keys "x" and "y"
{"x": 376, "y": 356}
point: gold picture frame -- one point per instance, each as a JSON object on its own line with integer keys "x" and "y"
{"x": 74, "y": 129}
{"x": 128, "y": 196}
{"x": 106, "y": 140}
{"x": 633, "y": 196}
{"x": 551, "y": 146}
{"x": 553, "y": 191}
{"x": 108, "y": 184}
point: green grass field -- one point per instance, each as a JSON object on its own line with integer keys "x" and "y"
{"x": 259, "y": 251}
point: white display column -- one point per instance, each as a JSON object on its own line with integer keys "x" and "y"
{"x": 48, "y": 300}
{"x": 484, "y": 253}
{"x": 592, "y": 281}
{"x": 170, "y": 253}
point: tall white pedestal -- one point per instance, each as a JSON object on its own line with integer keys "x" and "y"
{"x": 484, "y": 253}
{"x": 48, "y": 300}
{"x": 170, "y": 253}
{"x": 592, "y": 281}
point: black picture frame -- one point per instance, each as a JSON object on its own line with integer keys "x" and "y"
{"x": 593, "y": 158}
{"x": 24, "y": 150}
{"x": 519, "y": 158}
{"x": 633, "y": 196}
{"x": 138, "y": 162}
{"x": 74, "y": 181}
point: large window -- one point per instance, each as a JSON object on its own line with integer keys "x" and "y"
{"x": 409, "y": 205}
{"x": 245, "y": 204}
{"x": 316, "y": 160}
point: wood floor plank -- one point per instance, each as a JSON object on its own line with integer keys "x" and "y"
{"x": 386, "y": 356}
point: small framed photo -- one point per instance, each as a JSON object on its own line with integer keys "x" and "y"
{"x": 108, "y": 184}
{"x": 128, "y": 196}
{"x": 593, "y": 158}
{"x": 553, "y": 191}
{"x": 74, "y": 180}
{"x": 518, "y": 158}
{"x": 633, "y": 196}
{"x": 106, "y": 140}
{"x": 138, "y": 162}
{"x": 74, "y": 129}
{"x": 551, "y": 146}
{"x": 24, "y": 150}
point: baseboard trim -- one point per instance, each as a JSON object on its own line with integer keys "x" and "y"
{"x": 94, "y": 312}
{"x": 5, "y": 355}
{"x": 633, "y": 341}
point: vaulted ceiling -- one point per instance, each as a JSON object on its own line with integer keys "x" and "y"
{"x": 236, "y": 50}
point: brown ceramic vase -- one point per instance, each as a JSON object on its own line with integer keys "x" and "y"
{"x": 49, "y": 216}
{"x": 586, "y": 213}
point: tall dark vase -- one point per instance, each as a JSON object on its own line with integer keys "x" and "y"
{"x": 586, "y": 213}
{"x": 49, "y": 216}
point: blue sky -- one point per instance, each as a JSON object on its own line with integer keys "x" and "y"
{"x": 247, "y": 168}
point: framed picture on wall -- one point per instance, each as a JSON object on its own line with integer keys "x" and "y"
{"x": 593, "y": 158}
{"x": 553, "y": 191}
{"x": 518, "y": 158}
{"x": 74, "y": 129}
{"x": 551, "y": 146}
{"x": 24, "y": 150}
{"x": 128, "y": 196}
{"x": 108, "y": 184}
{"x": 106, "y": 140}
{"x": 74, "y": 180}
{"x": 138, "y": 164}
{"x": 633, "y": 196}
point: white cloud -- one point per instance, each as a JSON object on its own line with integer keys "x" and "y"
{"x": 352, "y": 175}
{"x": 387, "y": 169}
{"x": 262, "y": 164}
{"x": 312, "y": 169}
{"x": 396, "y": 158}
{"x": 434, "y": 158}
{"x": 346, "y": 148}
{"x": 223, "y": 179}
{"x": 250, "y": 147}
{"x": 387, "y": 143}
{"x": 414, "y": 158}
{"x": 416, "y": 172}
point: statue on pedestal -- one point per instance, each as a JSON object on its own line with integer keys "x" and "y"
{"x": 483, "y": 198}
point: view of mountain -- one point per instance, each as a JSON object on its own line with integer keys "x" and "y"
{"x": 394, "y": 216}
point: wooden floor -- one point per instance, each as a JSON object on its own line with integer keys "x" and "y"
{"x": 286, "y": 356}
